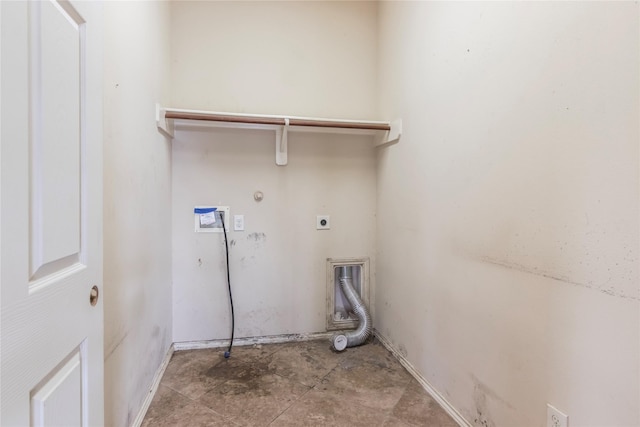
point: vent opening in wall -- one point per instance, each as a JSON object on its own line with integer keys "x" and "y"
{"x": 340, "y": 314}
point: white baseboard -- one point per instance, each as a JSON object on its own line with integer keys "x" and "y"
{"x": 270, "y": 339}
{"x": 154, "y": 387}
{"x": 449, "y": 409}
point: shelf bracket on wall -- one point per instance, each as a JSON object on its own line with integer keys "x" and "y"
{"x": 393, "y": 135}
{"x": 281, "y": 143}
{"x": 163, "y": 124}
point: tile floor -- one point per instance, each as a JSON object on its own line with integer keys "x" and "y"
{"x": 293, "y": 384}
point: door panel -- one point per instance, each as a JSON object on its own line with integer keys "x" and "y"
{"x": 51, "y": 357}
{"x": 56, "y": 50}
{"x": 58, "y": 401}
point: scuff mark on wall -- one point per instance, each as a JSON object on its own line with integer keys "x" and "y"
{"x": 116, "y": 345}
{"x": 486, "y": 391}
{"x": 480, "y": 393}
{"x": 403, "y": 350}
{"x": 611, "y": 291}
{"x": 256, "y": 236}
{"x": 244, "y": 262}
{"x": 259, "y": 318}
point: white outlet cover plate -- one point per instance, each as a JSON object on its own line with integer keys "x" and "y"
{"x": 327, "y": 223}
{"x": 555, "y": 418}
{"x": 238, "y": 222}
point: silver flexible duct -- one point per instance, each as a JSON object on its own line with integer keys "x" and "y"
{"x": 362, "y": 332}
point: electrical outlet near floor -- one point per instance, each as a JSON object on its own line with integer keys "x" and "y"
{"x": 555, "y": 418}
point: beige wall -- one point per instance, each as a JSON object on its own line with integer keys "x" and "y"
{"x": 306, "y": 58}
{"x": 513, "y": 279}
{"x": 137, "y": 205}
{"x": 296, "y": 58}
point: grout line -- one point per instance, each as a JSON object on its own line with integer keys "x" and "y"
{"x": 290, "y": 405}
{"x": 342, "y": 357}
{"x": 178, "y": 391}
{"x": 309, "y": 388}
{"x": 199, "y": 403}
{"x": 196, "y": 401}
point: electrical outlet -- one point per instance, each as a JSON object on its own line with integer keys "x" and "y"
{"x": 238, "y": 222}
{"x": 555, "y": 418}
{"x": 323, "y": 222}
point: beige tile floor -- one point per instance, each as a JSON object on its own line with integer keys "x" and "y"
{"x": 293, "y": 384}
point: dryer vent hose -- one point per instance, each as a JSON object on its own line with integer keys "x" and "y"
{"x": 361, "y": 333}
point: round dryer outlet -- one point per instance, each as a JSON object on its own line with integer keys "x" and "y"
{"x": 323, "y": 222}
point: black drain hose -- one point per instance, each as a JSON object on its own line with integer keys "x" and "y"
{"x": 227, "y": 353}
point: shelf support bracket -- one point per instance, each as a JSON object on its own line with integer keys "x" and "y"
{"x": 165, "y": 126}
{"x": 393, "y": 135}
{"x": 281, "y": 143}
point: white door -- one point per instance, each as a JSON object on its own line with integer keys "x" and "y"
{"x": 51, "y": 353}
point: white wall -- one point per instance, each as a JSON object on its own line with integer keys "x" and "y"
{"x": 513, "y": 279}
{"x": 297, "y": 58}
{"x": 137, "y": 205}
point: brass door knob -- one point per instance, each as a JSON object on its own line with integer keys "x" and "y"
{"x": 93, "y": 295}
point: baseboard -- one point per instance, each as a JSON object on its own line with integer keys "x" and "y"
{"x": 154, "y": 387}
{"x": 270, "y": 339}
{"x": 449, "y": 409}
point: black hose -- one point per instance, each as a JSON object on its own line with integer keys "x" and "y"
{"x": 227, "y": 353}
